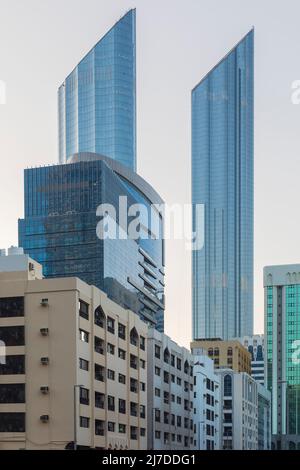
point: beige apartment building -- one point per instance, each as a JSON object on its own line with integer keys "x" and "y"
{"x": 75, "y": 367}
{"x": 226, "y": 354}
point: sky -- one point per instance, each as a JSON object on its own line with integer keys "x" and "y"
{"x": 178, "y": 42}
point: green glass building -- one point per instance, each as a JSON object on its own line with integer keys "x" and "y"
{"x": 282, "y": 363}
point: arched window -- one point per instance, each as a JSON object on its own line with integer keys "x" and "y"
{"x": 100, "y": 318}
{"x": 134, "y": 337}
{"x": 216, "y": 352}
{"x": 227, "y": 385}
{"x": 229, "y": 352}
{"x": 210, "y": 352}
{"x": 166, "y": 356}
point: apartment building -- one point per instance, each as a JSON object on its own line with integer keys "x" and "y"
{"x": 76, "y": 364}
{"x": 239, "y": 410}
{"x": 206, "y": 402}
{"x": 170, "y": 394}
{"x": 228, "y": 354}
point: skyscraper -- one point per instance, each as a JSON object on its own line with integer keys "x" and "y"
{"x": 222, "y": 181}
{"x": 59, "y": 231}
{"x": 97, "y": 101}
{"x": 282, "y": 363}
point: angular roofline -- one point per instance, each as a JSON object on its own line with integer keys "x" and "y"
{"x": 223, "y": 58}
{"x": 90, "y": 50}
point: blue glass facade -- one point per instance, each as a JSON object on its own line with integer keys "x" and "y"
{"x": 59, "y": 231}
{"x": 222, "y": 180}
{"x": 97, "y": 101}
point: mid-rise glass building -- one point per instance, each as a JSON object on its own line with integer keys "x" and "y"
{"x": 97, "y": 101}
{"x": 60, "y": 223}
{"x": 282, "y": 362}
{"x": 222, "y": 182}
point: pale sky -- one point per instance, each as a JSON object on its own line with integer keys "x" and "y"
{"x": 178, "y": 42}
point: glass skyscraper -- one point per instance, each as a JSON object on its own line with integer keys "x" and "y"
{"x": 59, "y": 231}
{"x": 222, "y": 181}
{"x": 282, "y": 364}
{"x": 97, "y": 101}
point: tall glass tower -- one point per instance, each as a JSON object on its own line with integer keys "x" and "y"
{"x": 222, "y": 181}
{"x": 97, "y": 101}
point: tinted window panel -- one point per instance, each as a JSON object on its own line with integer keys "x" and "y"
{"x": 12, "y": 307}
{"x": 14, "y": 365}
{"x": 12, "y": 422}
{"x": 12, "y": 393}
{"x": 12, "y": 335}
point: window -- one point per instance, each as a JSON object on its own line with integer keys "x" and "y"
{"x": 157, "y": 371}
{"x": 179, "y": 381}
{"x": 83, "y": 336}
{"x": 83, "y": 309}
{"x": 110, "y": 374}
{"x": 157, "y": 416}
{"x": 157, "y": 392}
{"x": 178, "y": 400}
{"x": 142, "y": 364}
{"x": 133, "y": 433}
{"x": 84, "y": 396}
{"x": 157, "y": 352}
{"x": 122, "y": 331}
{"x": 142, "y": 411}
{"x": 172, "y": 378}
{"x": 142, "y": 343}
{"x": 12, "y": 422}
{"x": 99, "y": 373}
{"x": 83, "y": 364}
{"x": 133, "y": 361}
{"x": 179, "y": 421}
{"x": 12, "y": 335}
{"x": 14, "y": 365}
{"x": 110, "y": 403}
{"x": 166, "y": 398}
{"x": 84, "y": 422}
{"x": 111, "y": 426}
{"x": 216, "y": 352}
{"x": 186, "y": 367}
{"x": 166, "y": 356}
{"x": 172, "y": 360}
{"x": 166, "y": 377}
{"x": 11, "y": 307}
{"x": 143, "y": 432}
{"x": 111, "y": 325}
{"x": 99, "y": 345}
{"x": 133, "y": 385}
{"x": 178, "y": 364}
{"x": 122, "y": 354}
{"x": 122, "y": 379}
{"x": 229, "y": 352}
{"x": 133, "y": 409}
{"x": 166, "y": 418}
{"x": 157, "y": 434}
{"x": 12, "y": 393}
{"x": 134, "y": 337}
{"x": 99, "y": 317}
{"x": 99, "y": 400}
{"x": 122, "y": 406}
{"x": 110, "y": 349}
{"x": 227, "y": 385}
{"x": 99, "y": 427}
{"x": 122, "y": 428}
{"x": 142, "y": 387}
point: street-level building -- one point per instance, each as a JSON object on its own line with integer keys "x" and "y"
{"x": 228, "y": 354}
{"x": 170, "y": 394}
{"x": 75, "y": 366}
{"x": 206, "y": 403}
{"x": 239, "y": 405}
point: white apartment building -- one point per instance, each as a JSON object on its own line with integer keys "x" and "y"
{"x": 256, "y": 347}
{"x": 206, "y": 402}
{"x": 76, "y": 364}
{"x": 170, "y": 394}
{"x": 239, "y": 415}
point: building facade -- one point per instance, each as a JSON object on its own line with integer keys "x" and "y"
{"x": 60, "y": 230}
{"x": 256, "y": 347}
{"x": 282, "y": 364}
{"x": 264, "y": 417}
{"x": 207, "y": 403}
{"x": 85, "y": 378}
{"x": 170, "y": 394}
{"x": 97, "y": 101}
{"x": 222, "y": 182}
{"x": 225, "y": 354}
{"x": 239, "y": 405}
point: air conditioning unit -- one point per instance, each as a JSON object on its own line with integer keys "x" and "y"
{"x": 44, "y": 361}
{"x": 44, "y": 390}
{"x": 44, "y": 418}
{"x": 44, "y": 331}
{"x": 44, "y": 302}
